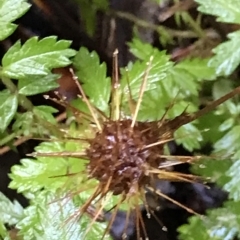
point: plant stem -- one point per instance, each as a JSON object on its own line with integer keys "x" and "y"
{"x": 8, "y": 138}
{"x": 23, "y": 100}
{"x": 142, "y": 23}
{"x": 188, "y": 18}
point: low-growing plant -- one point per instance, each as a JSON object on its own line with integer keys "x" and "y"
{"x": 71, "y": 174}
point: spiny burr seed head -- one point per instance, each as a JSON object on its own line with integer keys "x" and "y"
{"x": 117, "y": 153}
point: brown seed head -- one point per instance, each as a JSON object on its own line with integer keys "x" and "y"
{"x": 117, "y": 153}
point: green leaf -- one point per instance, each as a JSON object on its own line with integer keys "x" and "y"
{"x": 233, "y": 185}
{"x": 215, "y": 169}
{"x": 198, "y": 68}
{"x": 226, "y": 11}
{"x": 33, "y": 175}
{"x": 10, "y": 10}
{"x": 93, "y": 76}
{"x": 153, "y": 105}
{"x": 221, "y": 87}
{"x": 183, "y": 80}
{"x": 194, "y": 230}
{"x": 141, "y": 50}
{"x": 88, "y": 12}
{"x": 230, "y": 143}
{"x": 46, "y": 113}
{"x": 227, "y": 55}
{"x": 24, "y": 122}
{"x": 46, "y": 219}
{"x": 34, "y": 85}
{"x": 62, "y": 213}
{"x": 8, "y": 108}
{"x": 159, "y": 70}
{"x": 36, "y": 57}
{"x": 3, "y": 230}
{"x": 209, "y": 126}
{"x": 228, "y": 123}
{"x": 221, "y": 223}
{"x": 11, "y": 212}
{"x": 189, "y": 136}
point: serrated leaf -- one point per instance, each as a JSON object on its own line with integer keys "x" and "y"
{"x": 10, "y": 10}
{"x": 233, "y": 185}
{"x": 209, "y": 126}
{"x": 230, "y": 143}
{"x": 198, "y": 68}
{"x": 153, "y": 105}
{"x": 61, "y": 212}
{"x": 46, "y": 113}
{"x": 11, "y": 212}
{"x": 227, "y": 55}
{"x": 184, "y": 81}
{"x": 188, "y": 135}
{"x": 158, "y": 71}
{"x": 36, "y": 57}
{"x": 24, "y": 122}
{"x": 221, "y": 223}
{"x": 226, "y": 11}
{"x": 215, "y": 169}
{"x": 45, "y": 210}
{"x": 141, "y": 50}
{"x": 194, "y": 230}
{"x": 35, "y": 85}
{"x": 33, "y": 175}
{"x": 92, "y": 74}
{"x": 8, "y": 109}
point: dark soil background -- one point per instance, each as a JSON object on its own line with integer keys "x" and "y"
{"x": 62, "y": 18}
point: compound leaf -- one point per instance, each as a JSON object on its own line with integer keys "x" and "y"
{"x": 36, "y": 57}
{"x": 221, "y": 223}
{"x": 46, "y": 209}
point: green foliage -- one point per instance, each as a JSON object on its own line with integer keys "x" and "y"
{"x": 7, "y": 109}
{"x": 226, "y": 11}
{"x": 33, "y": 175}
{"x": 50, "y": 182}
{"x": 36, "y": 57}
{"x": 227, "y": 57}
{"x": 10, "y": 10}
{"x": 44, "y": 211}
{"x": 89, "y": 70}
{"x": 222, "y": 223}
{"x": 89, "y": 13}
{"x": 31, "y": 65}
{"x": 11, "y": 214}
{"x": 32, "y": 85}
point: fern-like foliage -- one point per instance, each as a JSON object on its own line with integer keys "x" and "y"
{"x": 50, "y": 182}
